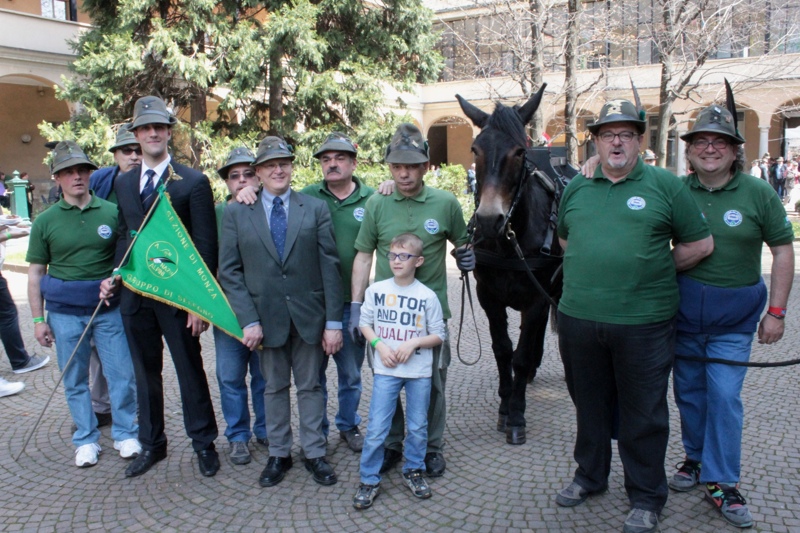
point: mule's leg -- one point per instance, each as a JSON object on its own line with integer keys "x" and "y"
{"x": 527, "y": 357}
{"x": 503, "y": 352}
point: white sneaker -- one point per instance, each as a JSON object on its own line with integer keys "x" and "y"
{"x": 7, "y": 388}
{"x": 128, "y": 448}
{"x": 86, "y": 455}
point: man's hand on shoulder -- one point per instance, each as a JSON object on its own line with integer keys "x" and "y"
{"x": 589, "y": 166}
{"x": 247, "y": 196}
{"x": 386, "y": 188}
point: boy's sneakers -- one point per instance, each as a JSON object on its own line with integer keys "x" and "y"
{"x": 640, "y": 521}
{"x": 687, "y": 477}
{"x": 365, "y": 495}
{"x": 34, "y": 363}
{"x": 86, "y": 455}
{"x": 128, "y": 448}
{"x": 7, "y": 388}
{"x": 419, "y": 487}
{"x": 730, "y": 503}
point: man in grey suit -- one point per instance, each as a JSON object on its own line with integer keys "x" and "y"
{"x": 279, "y": 267}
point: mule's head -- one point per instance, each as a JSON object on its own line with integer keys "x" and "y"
{"x": 499, "y": 151}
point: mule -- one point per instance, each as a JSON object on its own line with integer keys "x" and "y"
{"x": 512, "y": 196}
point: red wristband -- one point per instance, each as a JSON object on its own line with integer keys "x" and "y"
{"x": 780, "y": 311}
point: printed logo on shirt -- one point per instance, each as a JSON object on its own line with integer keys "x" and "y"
{"x": 358, "y": 213}
{"x": 732, "y": 218}
{"x": 431, "y": 226}
{"x": 104, "y": 231}
{"x": 636, "y": 203}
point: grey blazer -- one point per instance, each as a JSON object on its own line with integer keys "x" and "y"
{"x": 305, "y": 288}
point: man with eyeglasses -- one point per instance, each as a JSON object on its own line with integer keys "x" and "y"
{"x": 234, "y": 358}
{"x": 280, "y": 270}
{"x": 616, "y": 317}
{"x": 722, "y": 300}
{"x": 127, "y": 154}
{"x": 435, "y": 216}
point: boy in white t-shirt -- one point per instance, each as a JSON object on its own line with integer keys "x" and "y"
{"x": 402, "y": 320}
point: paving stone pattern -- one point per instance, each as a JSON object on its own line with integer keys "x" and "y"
{"x": 489, "y": 485}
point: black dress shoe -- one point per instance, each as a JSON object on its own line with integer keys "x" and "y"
{"x": 208, "y": 461}
{"x": 275, "y": 471}
{"x": 144, "y": 462}
{"x": 435, "y": 464}
{"x": 390, "y": 458}
{"x": 323, "y": 472}
{"x": 263, "y": 441}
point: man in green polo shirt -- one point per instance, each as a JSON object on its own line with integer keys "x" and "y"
{"x": 617, "y": 314}
{"x": 346, "y": 196}
{"x": 722, "y": 299}
{"x": 436, "y": 217}
{"x": 71, "y": 251}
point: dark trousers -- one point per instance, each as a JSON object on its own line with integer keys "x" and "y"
{"x": 144, "y": 329}
{"x": 9, "y": 328}
{"x": 630, "y": 365}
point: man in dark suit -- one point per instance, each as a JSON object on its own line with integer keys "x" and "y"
{"x": 279, "y": 267}
{"x": 145, "y": 319}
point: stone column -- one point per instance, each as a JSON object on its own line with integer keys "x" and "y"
{"x": 763, "y": 140}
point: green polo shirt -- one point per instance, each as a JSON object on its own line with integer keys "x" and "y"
{"x": 618, "y": 266}
{"x": 76, "y": 244}
{"x": 433, "y": 215}
{"x": 347, "y": 215}
{"x": 742, "y": 215}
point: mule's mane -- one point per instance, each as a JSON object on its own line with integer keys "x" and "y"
{"x": 507, "y": 120}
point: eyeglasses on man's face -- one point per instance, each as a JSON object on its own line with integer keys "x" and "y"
{"x": 236, "y": 175}
{"x": 272, "y": 167}
{"x": 402, "y": 257}
{"x": 702, "y": 144}
{"x": 625, "y": 136}
{"x": 128, "y": 150}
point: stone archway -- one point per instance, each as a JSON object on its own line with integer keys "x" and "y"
{"x": 28, "y": 100}
{"x": 450, "y": 139}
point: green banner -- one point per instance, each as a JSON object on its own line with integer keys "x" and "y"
{"x": 164, "y": 265}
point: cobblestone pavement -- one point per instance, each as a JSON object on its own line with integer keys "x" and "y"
{"x": 489, "y": 485}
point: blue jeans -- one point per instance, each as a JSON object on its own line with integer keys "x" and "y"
{"x": 233, "y": 360}
{"x": 112, "y": 348}
{"x": 385, "y": 392}
{"x": 709, "y": 400}
{"x": 348, "y": 367}
{"x": 625, "y": 365}
{"x": 9, "y": 328}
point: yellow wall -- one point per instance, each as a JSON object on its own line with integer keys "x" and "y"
{"x": 22, "y": 109}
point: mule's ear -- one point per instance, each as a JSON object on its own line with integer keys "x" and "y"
{"x": 526, "y": 112}
{"x": 477, "y": 116}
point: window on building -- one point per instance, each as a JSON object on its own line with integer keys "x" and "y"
{"x": 60, "y": 9}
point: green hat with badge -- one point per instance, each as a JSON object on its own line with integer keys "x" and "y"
{"x": 337, "y": 142}
{"x": 408, "y": 146}
{"x": 125, "y": 137}
{"x": 68, "y": 154}
{"x": 718, "y": 119}
{"x": 715, "y": 119}
{"x": 272, "y": 148}
{"x": 151, "y": 110}
{"x": 238, "y": 156}
{"x": 619, "y": 111}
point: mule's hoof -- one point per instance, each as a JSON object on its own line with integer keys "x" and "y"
{"x": 515, "y": 435}
{"x": 502, "y": 420}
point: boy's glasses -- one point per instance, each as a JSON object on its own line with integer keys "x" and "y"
{"x": 402, "y": 257}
